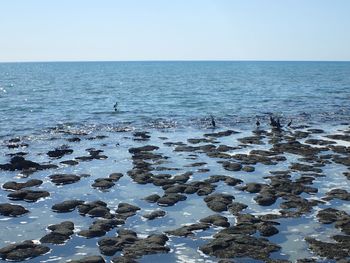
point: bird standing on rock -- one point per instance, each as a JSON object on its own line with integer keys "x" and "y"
{"x": 213, "y": 121}
{"x": 289, "y": 123}
{"x": 257, "y": 123}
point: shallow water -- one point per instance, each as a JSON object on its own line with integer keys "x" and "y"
{"x": 46, "y": 103}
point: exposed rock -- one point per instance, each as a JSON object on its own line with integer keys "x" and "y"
{"x": 12, "y": 210}
{"x": 18, "y": 186}
{"x": 66, "y": 206}
{"x": 155, "y": 214}
{"x": 60, "y": 233}
{"x": 171, "y": 199}
{"x": 22, "y": 251}
{"x": 20, "y": 164}
{"x": 70, "y": 162}
{"x": 232, "y": 246}
{"x": 95, "y": 209}
{"x": 216, "y": 220}
{"x": 100, "y": 227}
{"x": 28, "y": 195}
{"x": 188, "y": 230}
{"x": 231, "y": 166}
{"x": 218, "y": 202}
{"x": 152, "y": 198}
{"x": 59, "y": 152}
{"x": 89, "y": 259}
{"x": 126, "y": 210}
{"x": 220, "y": 134}
{"x": 62, "y": 179}
{"x": 329, "y": 250}
{"x": 337, "y": 194}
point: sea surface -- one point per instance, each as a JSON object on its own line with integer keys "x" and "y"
{"x": 35, "y": 96}
{"x": 46, "y": 105}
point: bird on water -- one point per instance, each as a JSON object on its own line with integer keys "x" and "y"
{"x": 115, "y": 106}
{"x": 289, "y": 123}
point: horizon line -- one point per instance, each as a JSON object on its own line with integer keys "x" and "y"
{"x": 166, "y": 60}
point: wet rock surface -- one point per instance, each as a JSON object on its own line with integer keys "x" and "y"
{"x": 228, "y": 196}
{"x": 61, "y": 179}
{"x": 59, "y": 234}
{"x": 12, "y": 210}
{"x": 28, "y": 195}
{"x": 22, "y": 251}
{"x": 18, "y": 186}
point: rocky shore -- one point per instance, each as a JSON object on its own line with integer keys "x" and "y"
{"x": 130, "y": 194}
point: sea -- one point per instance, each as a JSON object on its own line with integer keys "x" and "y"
{"x": 45, "y": 104}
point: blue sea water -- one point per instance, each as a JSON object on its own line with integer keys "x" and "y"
{"x": 35, "y": 96}
{"x": 46, "y": 104}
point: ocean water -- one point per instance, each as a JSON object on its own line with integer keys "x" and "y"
{"x": 35, "y": 96}
{"x": 46, "y": 104}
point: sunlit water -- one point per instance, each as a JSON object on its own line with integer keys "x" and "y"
{"x": 170, "y": 99}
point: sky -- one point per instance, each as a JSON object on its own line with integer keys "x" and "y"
{"x": 114, "y": 30}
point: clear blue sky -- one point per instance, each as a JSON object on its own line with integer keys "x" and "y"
{"x": 46, "y": 30}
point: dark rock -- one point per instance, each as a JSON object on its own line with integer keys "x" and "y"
{"x": 218, "y": 202}
{"x": 267, "y": 230}
{"x": 185, "y": 231}
{"x": 62, "y": 179}
{"x": 248, "y": 169}
{"x": 171, "y": 199}
{"x": 305, "y": 168}
{"x": 220, "y": 134}
{"x": 216, "y": 220}
{"x": 100, "y": 227}
{"x": 28, "y": 195}
{"x": 146, "y": 148}
{"x": 21, "y": 164}
{"x": 232, "y": 246}
{"x": 22, "y": 251}
{"x": 60, "y": 233}
{"x": 70, "y": 162}
{"x": 18, "y": 186}
{"x": 59, "y": 152}
{"x": 126, "y": 210}
{"x": 152, "y": 198}
{"x": 95, "y": 209}
{"x": 89, "y": 259}
{"x": 12, "y": 210}
{"x": 153, "y": 244}
{"x": 230, "y": 166}
{"x": 155, "y": 214}
{"x": 328, "y": 250}
{"x": 337, "y": 194}
{"x": 66, "y": 206}
{"x": 236, "y": 207}
{"x": 123, "y": 260}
